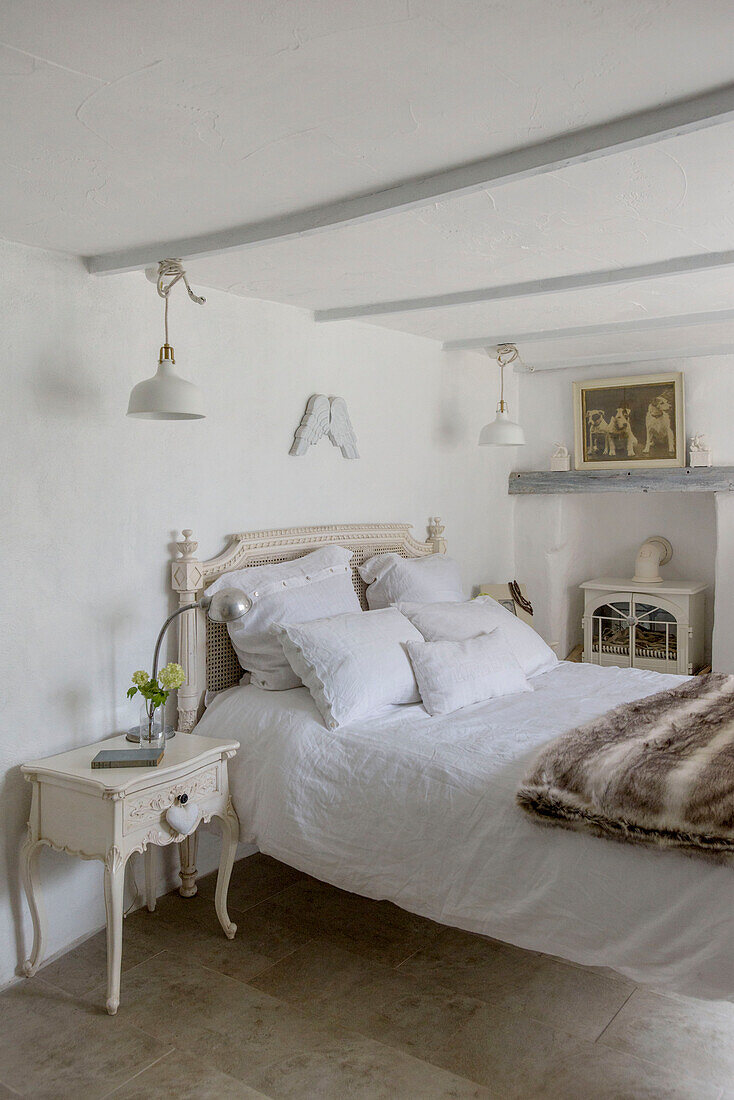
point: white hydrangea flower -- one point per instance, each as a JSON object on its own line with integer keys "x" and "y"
{"x": 172, "y": 676}
{"x": 140, "y": 678}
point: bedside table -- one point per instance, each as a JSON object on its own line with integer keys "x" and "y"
{"x": 109, "y": 813}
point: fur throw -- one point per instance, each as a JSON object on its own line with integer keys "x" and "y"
{"x": 658, "y": 771}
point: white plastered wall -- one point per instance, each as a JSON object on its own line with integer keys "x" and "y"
{"x": 92, "y": 501}
{"x": 565, "y": 539}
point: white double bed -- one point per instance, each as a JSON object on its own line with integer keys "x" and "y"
{"x": 421, "y": 810}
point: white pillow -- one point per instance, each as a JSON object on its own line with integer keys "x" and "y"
{"x": 296, "y": 591}
{"x": 455, "y": 622}
{"x": 392, "y": 578}
{"x": 353, "y": 664}
{"x": 451, "y": 675}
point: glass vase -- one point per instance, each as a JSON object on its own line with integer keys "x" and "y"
{"x": 151, "y": 729}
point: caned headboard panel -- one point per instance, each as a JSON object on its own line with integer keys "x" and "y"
{"x": 204, "y": 648}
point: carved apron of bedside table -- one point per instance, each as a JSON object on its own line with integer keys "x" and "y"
{"x": 107, "y": 814}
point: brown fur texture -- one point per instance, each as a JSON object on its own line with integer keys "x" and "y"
{"x": 658, "y": 771}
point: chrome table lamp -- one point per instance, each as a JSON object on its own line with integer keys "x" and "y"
{"x": 225, "y": 606}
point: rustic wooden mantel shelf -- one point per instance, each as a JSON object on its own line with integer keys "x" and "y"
{"x": 688, "y": 479}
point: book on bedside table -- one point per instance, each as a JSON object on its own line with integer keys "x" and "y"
{"x": 128, "y": 758}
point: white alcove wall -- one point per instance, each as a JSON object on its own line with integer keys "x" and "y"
{"x": 563, "y": 540}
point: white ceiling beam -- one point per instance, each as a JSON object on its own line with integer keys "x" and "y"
{"x": 626, "y": 357}
{"x": 575, "y": 147}
{"x": 610, "y": 328}
{"x": 679, "y": 265}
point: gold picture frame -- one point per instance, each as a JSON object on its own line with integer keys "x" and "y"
{"x": 630, "y": 423}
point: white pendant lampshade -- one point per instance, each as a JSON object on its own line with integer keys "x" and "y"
{"x": 166, "y": 396}
{"x": 503, "y": 432}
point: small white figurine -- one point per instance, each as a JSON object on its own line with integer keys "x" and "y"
{"x": 698, "y": 453}
{"x": 560, "y": 459}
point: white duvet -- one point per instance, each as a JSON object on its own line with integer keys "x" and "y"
{"x": 421, "y": 811}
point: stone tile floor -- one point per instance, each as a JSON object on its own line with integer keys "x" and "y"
{"x": 327, "y": 995}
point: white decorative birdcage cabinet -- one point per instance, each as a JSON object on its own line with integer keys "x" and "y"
{"x": 654, "y": 626}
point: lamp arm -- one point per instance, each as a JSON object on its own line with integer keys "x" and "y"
{"x": 231, "y": 611}
{"x": 164, "y": 628}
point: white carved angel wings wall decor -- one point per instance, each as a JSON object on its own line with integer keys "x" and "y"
{"x": 325, "y": 416}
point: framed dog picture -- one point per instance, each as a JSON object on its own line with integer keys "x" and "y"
{"x": 630, "y": 422}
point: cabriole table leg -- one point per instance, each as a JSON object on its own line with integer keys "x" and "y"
{"x": 230, "y": 836}
{"x": 114, "y": 886}
{"x": 32, "y": 886}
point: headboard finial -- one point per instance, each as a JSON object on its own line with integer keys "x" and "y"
{"x": 187, "y": 547}
{"x": 186, "y": 572}
{"x": 435, "y": 533}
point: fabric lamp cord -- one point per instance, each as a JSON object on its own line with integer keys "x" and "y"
{"x": 506, "y": 353}
{"x": 169, "y": 273}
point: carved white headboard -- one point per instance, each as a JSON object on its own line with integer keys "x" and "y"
{"x": 204, "y": 648}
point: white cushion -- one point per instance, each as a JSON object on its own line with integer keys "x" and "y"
{"x": 454, "y": 622}
{"x": 452, "y": 675}
{"x": 296, "y": 591}
{"x": 353, "y": 664}
{"x": 392, "y": 578}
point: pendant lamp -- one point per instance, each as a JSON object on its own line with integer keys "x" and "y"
{"x": 167, "y": 396}
{"x": 503, "y": 432}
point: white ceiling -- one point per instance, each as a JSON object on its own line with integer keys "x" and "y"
{"x": 128, "y": 123}
{"x": 669, "y": 199}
